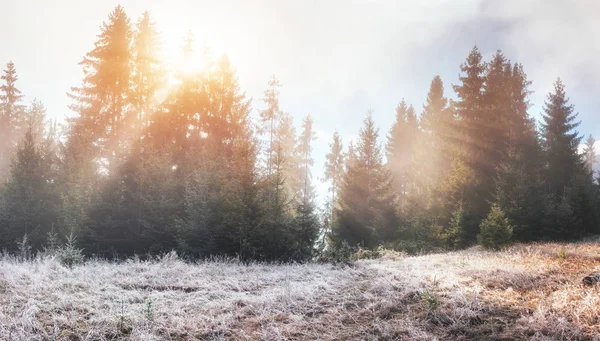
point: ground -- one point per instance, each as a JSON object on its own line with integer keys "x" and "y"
{"x": 531, "y": 292}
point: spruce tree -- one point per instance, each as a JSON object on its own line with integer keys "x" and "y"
{"x": 11, "y": 114}
{"x": 35, "y": 118}
{"x": 221, "y": 208}
{"x": 471, "y": 139}
{"x": 292, "y": 170}
{"x": 560, "y": 140}
{"x": 269, "y": 118}
{"x": 148, "y": 74}
{"x": 436, "y": 120}
{"x": 402, "y": 141}
{"x": 304, "y": 150}
{"x": 589, "y": 154}
{"x": 103, "y": 99}
{"x": 334, "y": 170}
{"x": 31, "y": 198}
{"x": 306, "y": 221}
{"x": 367, "y": 202}
{"x": 519, "y": 191}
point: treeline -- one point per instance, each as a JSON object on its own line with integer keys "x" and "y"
{"x": 477, "y": 168}
{"x": 156, "y": 159}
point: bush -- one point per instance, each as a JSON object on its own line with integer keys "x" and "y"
{"x": 495, "y": 229}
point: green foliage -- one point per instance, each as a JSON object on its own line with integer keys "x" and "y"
{"x": 306, "y": 225}
{"x": 30, "y": 198}
{"x": 52, "y": 243}
{"x": 366, "y": 215}
{"x": 430, "y": 300}
{"x": 456, "y": 235}
{"x": 560, "y": 219}
{"x": 495, "y": 230}
{"x": 148, "y": 309}
{"x": 142, "y": 173}
{"x": 560, "y": 140}
{"x": 69, "y": 254}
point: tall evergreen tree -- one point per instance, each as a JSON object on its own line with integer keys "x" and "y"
{"x": 103, "y": 99}
{"x": 472, "y": 140}
{"x": 402, "y": 142}
{"x": 292, "y": 170}
{"x": 519, "y": 176}
{"x": 269, "y": 118}
{"x": 334, "y": 170}
{"x": 589, "y": 154}
{"x": 148, "y": 75}
{"x": 306, "y": 221}
{"x": 304, "y": 150}
{"x": 566, "y": 181}
{"x": 31, "y": 197}
{"x": 11, "y": 112}
{"x": 560, "y": 140}
{"x": 366, "y": 215}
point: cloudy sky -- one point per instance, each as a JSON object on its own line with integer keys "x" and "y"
{"x": 336, "y": 59}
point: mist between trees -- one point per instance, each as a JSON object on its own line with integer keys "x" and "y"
{"x": 157, "y": 159}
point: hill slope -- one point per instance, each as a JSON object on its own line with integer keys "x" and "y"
{"x": 525, "y": 292}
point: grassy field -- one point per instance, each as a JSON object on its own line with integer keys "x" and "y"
{"x": 531, "y": 292}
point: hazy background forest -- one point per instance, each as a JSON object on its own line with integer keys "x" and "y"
{"x": 158, "y": 156}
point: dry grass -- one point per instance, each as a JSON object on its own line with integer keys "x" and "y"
{"x": 525, "y": 292}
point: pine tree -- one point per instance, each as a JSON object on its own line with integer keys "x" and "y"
{"x": 30, "y": 197}
{"x": 292, "y": 170}
{"x": 496, "y": 118}
{"x": 433, "y": 115}
{"x": 560, "y": 140}
{"x": 10, "y": 118}
{"x": 269, "y": 118}
{"x": 95, "y": 135}
{"x": 306, "y": 221}
{"x": 366, "y": 215}
{"x": 436, "y": 123}
{"x": 469, "y": 105}
{"x": 496, "y": 230}
{"x": 35, "y": 118}
{"x": 304, "y": 150}
{"x": 400, "y": 150}
{"x": 223, "y": 175}
{"x": 148, "y": 74}
{"x": 472, "y": 140}
{"x": 334, "y": 170}
{"x": 589, "y": 154}
{"x": 519, "y": 191}
{"x": 103, "y": 99}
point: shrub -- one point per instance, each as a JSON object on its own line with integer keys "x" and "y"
{"x": 495, "y": 229}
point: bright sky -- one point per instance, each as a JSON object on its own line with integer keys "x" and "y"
{"x": 336, "y": 59}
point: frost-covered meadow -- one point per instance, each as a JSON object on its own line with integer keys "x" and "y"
{"x": 525, "y": 292}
